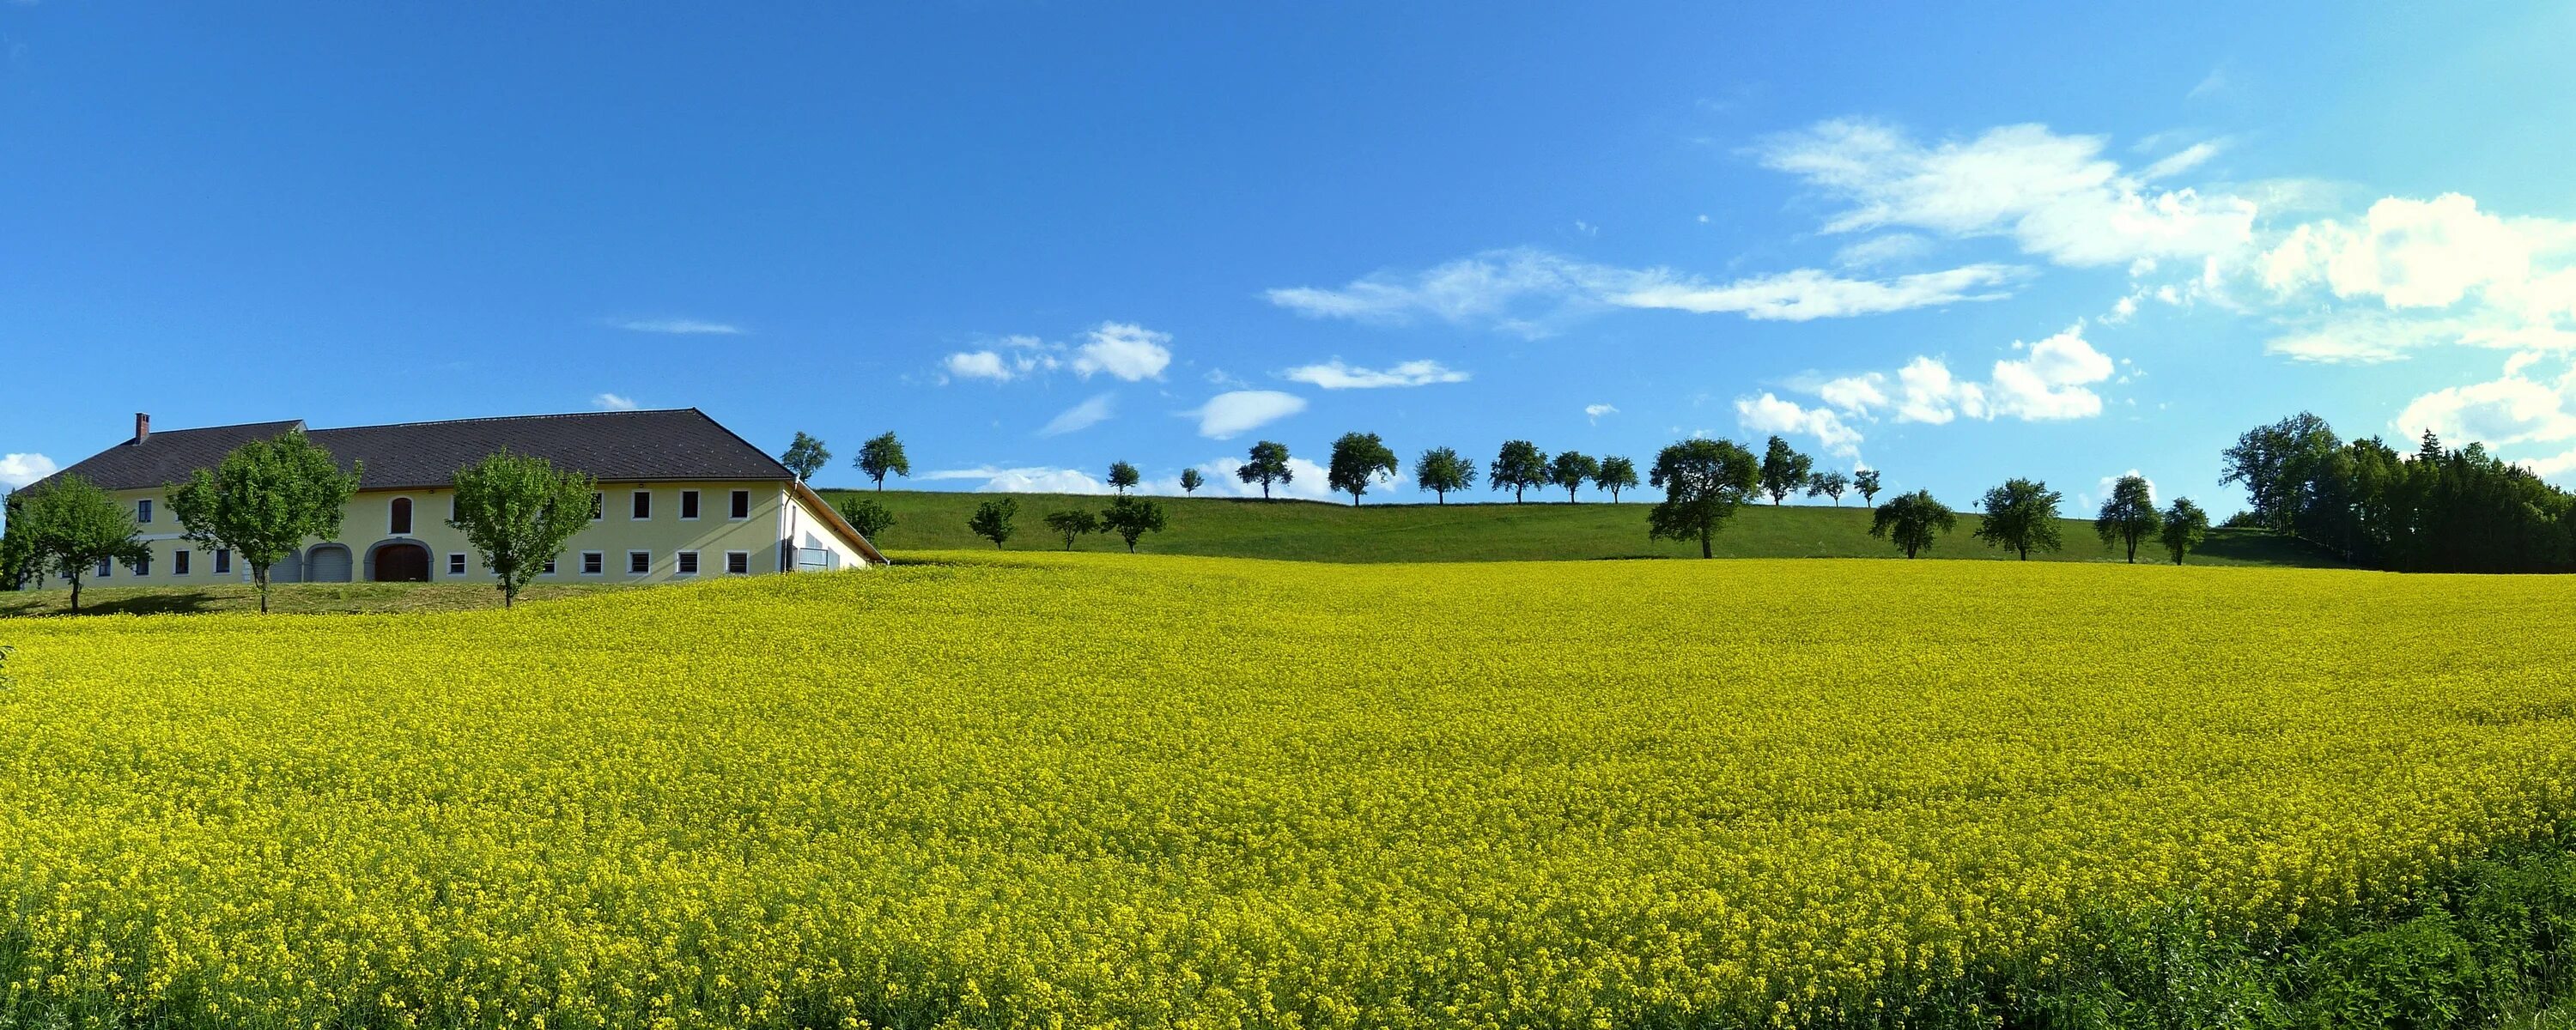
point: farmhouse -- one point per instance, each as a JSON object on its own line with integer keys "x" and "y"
{"x": 680, "y": 497}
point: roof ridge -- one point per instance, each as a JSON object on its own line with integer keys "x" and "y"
{"x": 510, "y": 418}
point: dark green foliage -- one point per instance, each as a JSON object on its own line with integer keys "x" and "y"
{"x": 1266, "y": 464}
{"x": 1191, "y": 481}
{"x": 1704, "y": 481}
{"x": 2021, "y": 516}
{"x": 1132, "y": 517}
{"x": 882, "y": 454}
{"x": 1571, "y": 470}
{"x": 805, "y": 456}
{"x": 2434, "y": 509}
{"x": 1073, "y": 524}
{"x": 1865, "y": 481}
{"x": 1358, "y": 460}
{"x": 18, "y": 565}
{"x": 264, "y": 499}
{"x": 1122, "y": 476}
{"x": 1440, "y": 470}
{"x": 867, "y": 516}
{"x": 1616, "y": 474}
{"x": 70, "y": 526}
{"x": 1829, "y": 484}
{"x": 992, "y": 520}
{"x": 1784, "y": 470}
{"x": 2128, "y": 516}
{"x": 1519, "y": 466}
{"x": 2185, "y": 526}
{"x": 1912, "y": 521}
{"x": 518, "y": 511}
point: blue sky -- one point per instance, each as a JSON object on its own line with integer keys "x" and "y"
{"x": 2064, "y": 241}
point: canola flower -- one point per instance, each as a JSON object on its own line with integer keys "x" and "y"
{"x": 1093, "y": 790}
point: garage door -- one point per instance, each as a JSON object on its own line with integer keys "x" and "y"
{"x": 328, "y": 563}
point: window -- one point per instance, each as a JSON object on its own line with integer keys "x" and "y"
{"x": 742, "y": 504}
{"x": 550, "y": 567}
{"x": 689, "y": 505}
{"x": 455, "y": 565}
{"x": 104, "y": 567}
{"x": 178, "y": 563}
{"x": 143, "y": 566}
{"x": 399, "y": 522}
{"x": 639, "y": 562}
{"x": 598, "y": 506}
{"x": 143, "y": 511}
{"x": 223, "y": 561}
{"x": 737, "y": 563}
{"x": 687, "y": 563}
{"x": 592, "y": 564}
{"x": 643, "y": 505}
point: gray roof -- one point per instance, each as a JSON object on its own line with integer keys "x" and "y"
{"x": 610, "y": 446}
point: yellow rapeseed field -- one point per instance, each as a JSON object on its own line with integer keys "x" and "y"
{"x": 1097, "y": 790}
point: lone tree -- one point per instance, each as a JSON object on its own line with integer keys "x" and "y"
{"x": 805, "y": 456}
{"x": 1703, "y": 482}
{"x": 1571, "y": 470}
{"x": 1191, "y": 481}
{"x": 1784, "y": 470}
{"x": 1440, "y": 470}
{"x": 1122, "y": 476}
{"x": 1358, "y": 460}
{"x": 1267, "y": 464}
{"x": 1519, "y": 467}
{"x": 1072, "y": 525}
{"x": 2021, "y": 515}
{"x": 1912, "y": 521}
{"x": 1132, "y": 517}
{"x": 2185, "y": 526}
{"x": 18, "y": 561}
{"x": 882, "y": 454}
{"x": 1865, "y": 483}
{"x": 1616, "y": 474}
{"x": 519, "y": 511}
{"x": 992, "y": 520}
{"x": 72, "y": 527}
{"x": 265, "y": 498}
{"x": 1829, "y": 484}
{"x": 2129, "y": 517}
{"x": 866, "y": 515}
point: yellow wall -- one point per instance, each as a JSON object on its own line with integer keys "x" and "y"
{"x": 664, "y": 535}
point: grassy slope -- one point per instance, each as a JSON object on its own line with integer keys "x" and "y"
{"x": 305, "y": 598}
{"x": 1313, "y": 531}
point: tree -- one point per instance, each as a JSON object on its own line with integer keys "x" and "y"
{"x": 1123, "y": 475}
{"x": 2129, "y": 516}
{"x": 1865, "y": 482}
{"x": 882, "y": 454}
{"x": 992, "y": 520}
{"x": 1703, "y": 483}
{"x": 1072, "y": 524}
{"x": 18, "y": 562}
{"x": 867, "y": 516}
{"x": 72, "y": 527}
{"x": 1616, "y": 474}
{"x": 1571, "y": 470}
{"x": 1784, "y": 470}
{"x": 1132, "y": 517}
{"x": 2185, "y": 526}
{"x": 1359, "y": 459}
{"x": 1440, "y": 470}
{"x": 2279, "y": 467}
{"x": 1268, "y": 464}
{"x": 1191, "y": 481}
{"x": 519, "y": 511}
{"x": 1912, "y": 521}
{"x": 2021, "y": 515}
{"x": 1829, "y": 484}
{"x": 806, "y": 456}
{"x": 1520, "y": 466}
{"x": 265, "y": 499}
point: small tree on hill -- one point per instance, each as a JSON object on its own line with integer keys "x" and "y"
{"x": 1912, "y": 521}
{"x": 2021, "y": 515}
{"x": 992, "y": 520}
{"x": 1829, "y": 484}
{"x": 2129, "y": 516}
{"x": 2185, "y": 526}
{"x": 805, "y": 456}
{"x": 1784, "y": 470}
{"x": 1132, "y": 517}
{"x": 1440, "y": 470}
{"x": 866, "y": 515}
{"x": 1520, "y": 466}
{"x": 1704, "y": 481}
{"x": 265, "y": 499}
{"x": 1072, "y": 525}
{"x": 519, "y": 511}
{"x": 1267, "y": 464}
{"x": 882, "y": 454}
{"x": 1571, "y": 470}
{"x": 18, "y": 563}
{"x": 1865, "y": 483}
{"x": 1123, "y": 476}
{"x": 72, "y": 527}
{"x": 1616, "y": 474}
{"x": 1191, "y": 481}
{"x": 1359, "y": 459}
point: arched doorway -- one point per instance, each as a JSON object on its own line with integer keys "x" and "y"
{"x": 399, "y": 563}
{"x": 327, "y": 563}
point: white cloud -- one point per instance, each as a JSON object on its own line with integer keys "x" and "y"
{"x": 1594, "y": 412}
{"x": 1125, "y": 350}
{"x": 1308, "y": 480}
{"x": 677, "y": 326}
{"x": 2500, "y": 413}
{"x": 2180, "y": 161}
{"x": 17, "y": 470}
{"x": 1238, "y": 411}
{"x": 1807, "y": 293}
{"x": 2052, "y": 380}
{"x": 1026, "y": 480}
{"x": 1334, "y": 375}
{"x": 2407, "y": 253}
{"x": 1769, "y": 414}
{"x": 613, "y": 402}
{"x": 982, "y": 364}
{"x": 1081, "y": 416}
{"x": 1892, "y": 248}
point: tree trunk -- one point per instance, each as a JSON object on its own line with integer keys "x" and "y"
{"x": 1355, "y": 498}
{"x": 1704, "y": 550}
{"x": 76, "y": 585}
{"x": 259, "y": 579}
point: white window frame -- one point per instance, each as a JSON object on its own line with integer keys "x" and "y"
{"x": 143, "y": 569}
{"x": 599, "y": 558}
{"x": 746, "y": 506}
{"x": 457, "y": 565}
{"x": 630, "y": 563}
{"x": 645, "y": 496}
{"x": 549, "y": 568}
{"x": 143, "y": 511}
{"x": 684, "y": 563}
{"x": 223, "y": 561}
{"x": 106, "y": 568}
{"x": 179, "y": 565}
{"x": 733, "y": 558}
{"x": 690, "y": 499}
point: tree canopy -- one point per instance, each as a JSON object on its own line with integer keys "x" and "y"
{"x": 1132, "y": 517}
{"x": 867, "y": 516}
{"x": 1571, "y": 470}
{"x": 1519, "y": 466}
{"x": 1704, "y": 481}
{"x": 265, "y": 498}
{"x": 1191, "y": 481}
{"x": 1829, "y": 484}
{"x": 2185, "y": 525}
{"x": 992, "y": 520}
{"x": 1865, "y": 483}
{"x": 1440, "y": 470}
{"x": 518, "y": 511}
{"x": 1784, "y": 470}
{"x": 1912, "y": 521}
{"x": 70, "y": 527}
{"x": 2021, "y": 515}
{"x": 1072, "y": 524}
{"x": 1359, "y": 459}
{"x": 1123, "y": 476}
{"x": 805, "y": 456}
{"x": 2434, "y": 509}
{"x": 2129, "y": 517}
{"x": 1616, "y": 474}
{"x": 1266, "y": 464}
{"x": 881, "y": 455}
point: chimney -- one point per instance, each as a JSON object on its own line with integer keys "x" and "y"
{"x": 142, "y": 427}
